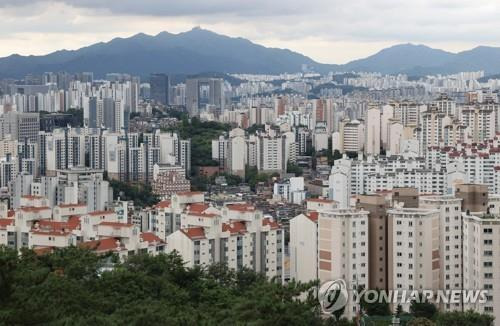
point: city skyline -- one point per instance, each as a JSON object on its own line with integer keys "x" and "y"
{"x": 324, "y": 31}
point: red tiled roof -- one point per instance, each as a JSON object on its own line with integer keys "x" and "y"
{"x": 194, "y": 233}
{"x": 150, "y": 237}
{"x": 116, "y": 224}
{"x": 51, "y": 233}
{"x": 49, "y": 225}
{"x": 163, "y": 204}
{"x": 34, "y": 209}
{"x": 197, "y": 207}
{"x": 202, "y": 214}
{"x": 313, "y": 216}
{"x": 272, "y": 224}
{"x": 241, "y": 207}
{"x": 234, "y": 227}
{"x": 4, "y": 222}
{"x": 106, "y": 244}
{"x": 72, "y": 205}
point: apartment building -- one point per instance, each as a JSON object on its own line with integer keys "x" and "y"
{"x": 414, "y": 249}
{"x": 343, "y": 250}
{"x": 450, "y": 239}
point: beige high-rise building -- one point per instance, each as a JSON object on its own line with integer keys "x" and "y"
{"x": 414, "y": 256}
{"x": 373, "y": 122}
{"x": 352, "y": 136}
{"x": 376, "y": 205}
{"x": 343, "y": 249}
{"x": 481, "y": 261}
{"x": 474, "y": 197}
{"x": 450, "y": 235}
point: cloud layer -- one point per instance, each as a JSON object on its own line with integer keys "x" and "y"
{"x": 327, "y": 30}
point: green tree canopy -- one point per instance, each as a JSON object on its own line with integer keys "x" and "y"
{"x": 69, "y": 287}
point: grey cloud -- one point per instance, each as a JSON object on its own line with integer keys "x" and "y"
{"x": 329, "y": 20}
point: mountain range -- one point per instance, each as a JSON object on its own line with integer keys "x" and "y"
{"x": 200, "y": 50}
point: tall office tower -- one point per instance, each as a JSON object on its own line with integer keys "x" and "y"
{"x": 179, "y": 94}
{"x": 377, "y": 206}
{"x": 160, "y": 86}
{"x": 446, "y": 105}
{"x": 450, "y": 241}
{"x": 343, "y": 250}
{"x": 204, "y": 93}
{"x": 372, "y": 143}
{"x": 352, "y": 134}
{"x": 21, "y": 126}
{"x": 413, "y": 243}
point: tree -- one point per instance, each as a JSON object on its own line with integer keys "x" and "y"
{"x": 468, "y": 318}
{"x": 69, "y": 287}
{"x": 421, "y": 321}
{"x": 422, "y": 308}
{"x": 399, "y": 310}
{"x": 201, "y": 134}
{"x": 294, "y": 168}
{"x": 374, "y": 308}
{"x": 140, "y": 193}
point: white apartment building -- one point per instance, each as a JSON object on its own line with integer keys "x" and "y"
{"x": 303, "y": 247}
{"x": 256, "y": 243}
{"x": 352, "y": 136}
{"x": 271, "y": 154}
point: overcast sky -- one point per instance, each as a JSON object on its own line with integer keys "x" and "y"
{"x": 328, "y": 31}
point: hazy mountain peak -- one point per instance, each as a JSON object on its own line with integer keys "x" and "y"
{"x": 199, "y": 50}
